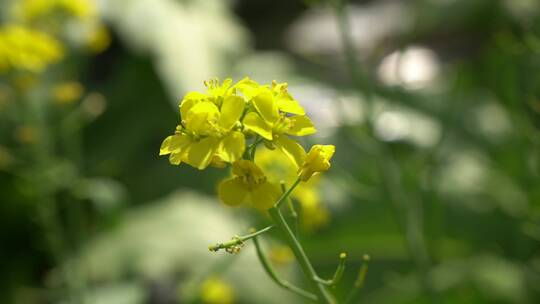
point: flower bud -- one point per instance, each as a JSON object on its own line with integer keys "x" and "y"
{"x": 317, "y": 160}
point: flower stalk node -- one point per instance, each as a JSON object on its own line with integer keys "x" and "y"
{"x": 237, "y": 242}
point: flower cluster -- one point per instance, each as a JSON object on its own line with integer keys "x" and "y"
{"x": 74, "y": 20}
{"x": 225, "y": 124}
{"x": 34, "y": 10}
{"x": 214, "y": 125}
{"x": 26, "y": 49}
{"x": 37, "y": 33}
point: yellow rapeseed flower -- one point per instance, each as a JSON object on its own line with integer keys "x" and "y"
{"x": 317, "y": 160}
{"x": 25, "y": 49}
{"x": 214, "y": 124}
{"x": 248, "y": 185}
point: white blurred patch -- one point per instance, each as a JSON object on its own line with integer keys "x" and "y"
{"x": 464, "y": 172}
{"x": 353, "y": 110}
{"x": 413, "y": 68}
{"x": 188, "y": 41}
{"x": 265, "y": 66}
{"x": 467, "y": 175}
{"x": 321, "y": 105}
{"x": 327, "y": 108}
{"x": 491, "y": 120}
{"x": 171, "y": 236}
{"x": 316, "y": 31}
{"x": 330, "y": 110}
{"x": 393, "y": 124}
{"x": 523, "y": 9}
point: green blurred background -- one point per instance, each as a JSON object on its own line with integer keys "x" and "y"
{"x": 433, "y": 105}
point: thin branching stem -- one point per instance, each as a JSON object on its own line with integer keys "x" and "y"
{"x": 273, "y": 275}
{"x": 294, "y": 214}
{"x": 339, "y": 270}
{"x": 286, "y": 194}
{"x": 359, "y": 282}
{"x": 323, "y": 295}
{"x": 238, "y": 240}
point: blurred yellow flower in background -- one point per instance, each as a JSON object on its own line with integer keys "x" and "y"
{"x": 34, "y": 10}
{"x": 6, "y": 158}
{"x": 216, "y": 291}
{"x": 76, "y": 21}
{"x": 67, "y": 92}
{"x": 25, "y": 134}
{"x": 25, "y": 81}
{"x": 281, "y": 255}
{"x": 25, "y": 49}
{"x": 99, "y": 39}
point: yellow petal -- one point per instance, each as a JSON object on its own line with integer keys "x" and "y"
{"x": 277, "y": 166}
{"x": 289, "y": 105}
{"x": 173, "y": 143}
{"x": 201, "y": 117}
{"x": 285, "y": 101}
{"x": 255, "y": 123}
{"x": 232, "y": 147}
{"x": 176, "y": 158}
{"x": 200, "y": 153}
{"x": 231, "y": 192}
{"x": 266, "y": 106}
{"x": 248, "y": 87}
{"x": 231, "y": 110}
{"x": 301, "y": 126}
{"x": 164, "y": 149}
{"x": 265, "y": 196}
{"x": 292, "y": 149}
{"x": 189, "y": 101}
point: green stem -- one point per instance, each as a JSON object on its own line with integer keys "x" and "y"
{"x": 359, "y": 283}
{"x": 339, "y": 271}
{"x": 294, "y": 214}
{"x": 34, "y": 113}
{"x": 239, "y": 240}
{"x": 270, "y": 271}
{"x": 286, "y": 194}
{"x": 323, "y": 296}
{"x": 337, "y": 275}
{"x": 253, "y": 147}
